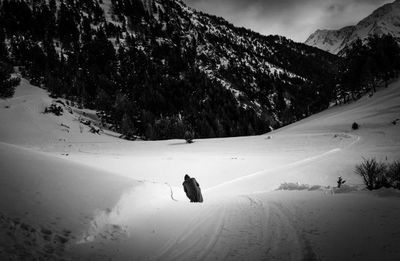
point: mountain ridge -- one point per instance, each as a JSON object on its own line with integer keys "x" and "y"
{"x": 384, "y": 20}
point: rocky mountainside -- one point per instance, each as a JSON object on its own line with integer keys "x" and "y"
{"x": 158, "y": 68}
{"x": 384, "y": 20}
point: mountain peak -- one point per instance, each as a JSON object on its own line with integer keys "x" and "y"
{"x": 384, "y": 20}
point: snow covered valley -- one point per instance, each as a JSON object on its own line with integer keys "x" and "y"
{"x": 69, "y": 194}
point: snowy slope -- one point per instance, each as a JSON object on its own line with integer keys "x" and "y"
{"x": 331, "y": 40}
{"x": 82, "y": 196}
{"x": 384, "y": 20}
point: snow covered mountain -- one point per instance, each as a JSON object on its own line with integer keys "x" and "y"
{"x": 159, "y": 68}
{"x": 384, "y": 20}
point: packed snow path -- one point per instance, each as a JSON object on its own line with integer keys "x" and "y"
{"x": 281, "y": 225}
{"x": 245, "y": 228}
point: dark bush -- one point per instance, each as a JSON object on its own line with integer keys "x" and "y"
{"x": 373, "y": 173}
{"x": 340, "y": 182}
{"x": 393, "y": 174}
{"x": 7, "y": 82}
{"x": 94, "y": 130}
{"x": 55, "y": 109}
{"x": 189, "y": 137}
{"x": 355, "y": 126}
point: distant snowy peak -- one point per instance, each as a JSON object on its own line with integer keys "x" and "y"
{"x": 384, "y": 20}
{"x": 331, "y": 40}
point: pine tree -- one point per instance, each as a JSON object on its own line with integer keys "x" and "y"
{"x": 7, "y": 84}
{"x": 3, "y": 48}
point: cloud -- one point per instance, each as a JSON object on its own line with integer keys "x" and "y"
{"x": 295, "y": 19}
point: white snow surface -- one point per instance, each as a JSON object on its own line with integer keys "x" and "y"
{"x": 73, "y": 195}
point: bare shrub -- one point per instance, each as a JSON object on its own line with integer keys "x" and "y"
{"x": 372, "y": 172}
{"x": 393, "y": 174}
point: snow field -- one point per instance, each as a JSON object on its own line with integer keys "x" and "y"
{"x": 73, "y": 195}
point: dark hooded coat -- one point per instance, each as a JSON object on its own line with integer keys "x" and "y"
{"x": 192, "y": 189}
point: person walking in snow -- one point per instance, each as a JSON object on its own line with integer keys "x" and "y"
{"x": 192, "y": 189}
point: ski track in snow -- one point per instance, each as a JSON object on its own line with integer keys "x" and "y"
{"x": 246, "y": 228}
{"x": 189, "y": 243}
{"x": 356, "y": 139}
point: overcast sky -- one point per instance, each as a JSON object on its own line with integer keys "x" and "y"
{"x": 295, "y": 19}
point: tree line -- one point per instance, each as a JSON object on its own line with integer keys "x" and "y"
{"x": 366, "y": 64}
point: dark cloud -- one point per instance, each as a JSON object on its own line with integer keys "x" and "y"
{"x": 296, "y": 19}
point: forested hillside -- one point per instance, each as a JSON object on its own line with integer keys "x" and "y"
{"x": 158, "y": 68}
